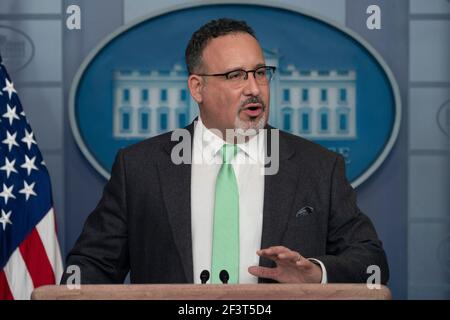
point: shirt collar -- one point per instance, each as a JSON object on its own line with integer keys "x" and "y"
{"x": 210, "y": 144}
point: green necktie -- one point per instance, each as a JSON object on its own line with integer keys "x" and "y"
{"x": 225, "y": 248}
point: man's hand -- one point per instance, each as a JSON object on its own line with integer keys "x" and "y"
{"x": 291, "y": 267}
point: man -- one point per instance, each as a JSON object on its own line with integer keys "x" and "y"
{"x": 167, "y": 222}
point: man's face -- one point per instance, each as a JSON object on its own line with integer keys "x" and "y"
{"x": 224, "y": 104}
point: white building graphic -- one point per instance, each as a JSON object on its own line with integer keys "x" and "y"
{"x": 149, "y": 103}
{"x": 315, "y": 104}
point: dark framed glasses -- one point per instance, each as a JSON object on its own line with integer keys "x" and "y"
{"x": 262, "y": 75}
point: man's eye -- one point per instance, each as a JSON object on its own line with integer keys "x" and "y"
{"x": 234, "y": 75}
{"x": 261, "y": 73}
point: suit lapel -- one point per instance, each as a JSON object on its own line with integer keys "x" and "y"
{"x": 176, "y": 188}
{"x": 279, "y": 193}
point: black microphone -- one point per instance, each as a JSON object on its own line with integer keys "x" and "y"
{"x": 224, "y": 276}
{"x": 204, "y": 276}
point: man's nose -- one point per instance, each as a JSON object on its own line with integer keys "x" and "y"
{"x": 251, "y": 86}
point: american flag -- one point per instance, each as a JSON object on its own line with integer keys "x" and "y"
{"x": 29, "y": 249}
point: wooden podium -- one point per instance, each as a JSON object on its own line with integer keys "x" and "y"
{"x": 213, "y": 292}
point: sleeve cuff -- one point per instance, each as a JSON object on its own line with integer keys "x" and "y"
{"x": 324, "y": 270}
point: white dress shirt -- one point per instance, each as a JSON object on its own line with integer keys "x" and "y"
{"x": 248, "y": 165}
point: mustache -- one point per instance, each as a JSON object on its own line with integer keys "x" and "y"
{"x": 255, "y": 99}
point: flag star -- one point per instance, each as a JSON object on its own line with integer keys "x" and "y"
{"x": 9, "y": 88}
{"x": 10, "y": 140}
{"x": 11, "y": 114}
{"x": 28, "y": 190}
{"x": 7, "y": 193}
{"x": 22, "y": 113}
{"x": 9, "y": 167}
{"x": 28, "y": 139}
{"x": 29, "y": 164}
{"x": 4, "y": 219}
{"x": 43, "y": 163}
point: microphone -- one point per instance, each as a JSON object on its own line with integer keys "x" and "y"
{"x": 224, "y": 276}
{"x": 204, "y": 276}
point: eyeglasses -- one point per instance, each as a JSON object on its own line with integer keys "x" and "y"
{"x": 262, "y": 75}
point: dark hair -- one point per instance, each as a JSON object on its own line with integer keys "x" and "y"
{"x": 212, "y": 29}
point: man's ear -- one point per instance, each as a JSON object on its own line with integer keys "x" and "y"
{"x": 195, "y": 84}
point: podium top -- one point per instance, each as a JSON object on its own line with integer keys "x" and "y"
{"x": 214, "y": 292}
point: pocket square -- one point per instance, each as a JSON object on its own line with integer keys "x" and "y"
{"x": 304, "y": 211}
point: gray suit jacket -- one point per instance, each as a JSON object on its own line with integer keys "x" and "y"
{"x": 142, "y": 223}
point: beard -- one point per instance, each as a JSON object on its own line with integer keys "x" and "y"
{"x": 251, "y": 126}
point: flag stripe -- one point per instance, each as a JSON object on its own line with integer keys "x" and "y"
{"x": 5, "y": 292}
{"x": 47, "y": 232}
{"x": 36, "y": 260}
{"x": 18, "y": 277}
